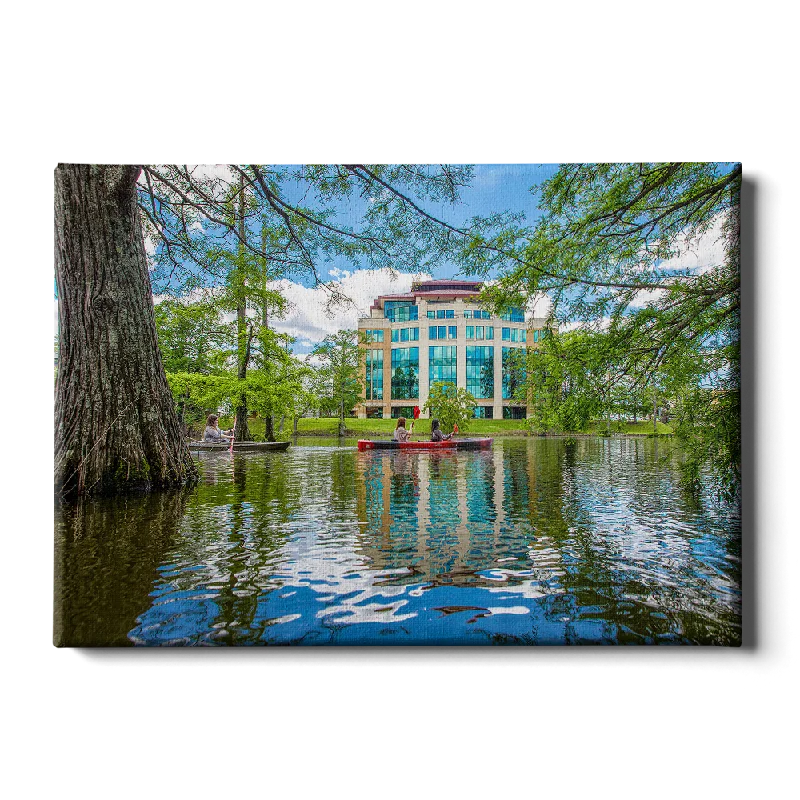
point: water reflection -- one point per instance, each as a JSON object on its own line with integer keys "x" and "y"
{"x": 536, "y": 541}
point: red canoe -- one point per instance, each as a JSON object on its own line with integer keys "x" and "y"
{"x": 450, "y": 444}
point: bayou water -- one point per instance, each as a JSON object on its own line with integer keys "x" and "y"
{"x": 537, "y": 541}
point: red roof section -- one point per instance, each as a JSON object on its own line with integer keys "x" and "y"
{"x": 441, "y": 288}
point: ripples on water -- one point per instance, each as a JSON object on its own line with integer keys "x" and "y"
{"x": 537, "y": 541}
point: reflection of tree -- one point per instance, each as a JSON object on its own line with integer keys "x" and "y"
{"x": 237, "y": 598}
{"x": 229, "y": 553}
{"x": 107, "y": 552}
{"x": 487, "y": 379}
{"x": 604, "y": 583}
{"x": 404, "y": 383}
{"x": 514, "y": 374}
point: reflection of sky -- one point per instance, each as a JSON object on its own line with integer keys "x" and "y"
{"x": 524, "y": 544}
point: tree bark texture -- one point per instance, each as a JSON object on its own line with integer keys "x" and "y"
{"x": 116, "y": 428}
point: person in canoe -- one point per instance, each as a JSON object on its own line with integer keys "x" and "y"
{"x": 436, "y": 432}
{"x": 400, "y": 432}
{"x": 213, "y": 433}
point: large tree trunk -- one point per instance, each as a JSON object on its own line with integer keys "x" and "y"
{"x": 115, "y": 423}
{"x": 269, "y": 428}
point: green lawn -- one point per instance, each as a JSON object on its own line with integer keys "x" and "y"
{"x": 327, "y": 426}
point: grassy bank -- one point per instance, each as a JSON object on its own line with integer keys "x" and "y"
{"x": 327, "y": 426}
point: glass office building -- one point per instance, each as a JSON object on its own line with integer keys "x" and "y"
{"x": 455, "y": 340}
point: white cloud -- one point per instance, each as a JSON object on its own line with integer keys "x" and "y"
{"x": 539, "y": 306}
{"x": 601, "y": 324}
{"x": 699, "y": 255}
{"x": 309, "y": 319}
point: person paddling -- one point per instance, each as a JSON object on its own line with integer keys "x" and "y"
{"x": 213, "y": 433}
{"x": 400, "y": 432}
{"x": 436, "y": 432}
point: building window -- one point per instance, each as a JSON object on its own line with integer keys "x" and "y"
{"x": 483, "y": 412}
{"x": 374, "y": 376}
{"x": 431, "y": 315}
{"x": 480, "y": 372}
{"x": 405, "y": 334}
{"x": 513, "y": 412}
{"x": 375, "y": 413}
{"x": 513, "y": 315}
{"x": 513, "y": 371}
{"x": 489, "y": 332}
{"x": 452, "y": 332}
{"x": 514, "y": 335}
{"x": 479, "y": 332}
{"x": 442, "y": 361}
{"x": 402, "y": 411}
{"x": 405, "y": 373}
{"x": 470, "y": 331}
{"x": 374, "y": 335}
{"x": 468, "y": 314}
{"x": 400, "y": 311}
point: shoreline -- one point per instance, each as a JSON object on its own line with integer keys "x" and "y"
{"x": 351, "y": 434}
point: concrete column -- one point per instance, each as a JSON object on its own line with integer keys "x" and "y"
{"x": 387, "y": 373}
{"x": 461, "y": 357}
{"x": 424, "y": 362}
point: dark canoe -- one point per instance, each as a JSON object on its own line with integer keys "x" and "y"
{"x": 450, "y": 444}
{"x": 238, "y": 447}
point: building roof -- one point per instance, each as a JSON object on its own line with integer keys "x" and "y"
{"x": 441, "y": 288}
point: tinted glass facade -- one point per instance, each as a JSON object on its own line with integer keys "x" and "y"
{"x": 480, "y": 371}
{"x": 405, "y": 373}
{"x": 513, "y": 371}
{"x": 405, "y": 334}
{"x": 400, "y": 311}
{"x": 374, "y": 378}
{"x": 442, "y": 362}
{"x": 513, "y": 315}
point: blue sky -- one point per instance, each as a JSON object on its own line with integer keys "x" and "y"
{"x": 496, "y": 186}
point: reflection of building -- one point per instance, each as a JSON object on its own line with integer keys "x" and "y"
{"x": 439, "y": 332}
{"x": 441, "y": 517}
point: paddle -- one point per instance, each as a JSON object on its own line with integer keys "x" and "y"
{"x": 416, "y": 417}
